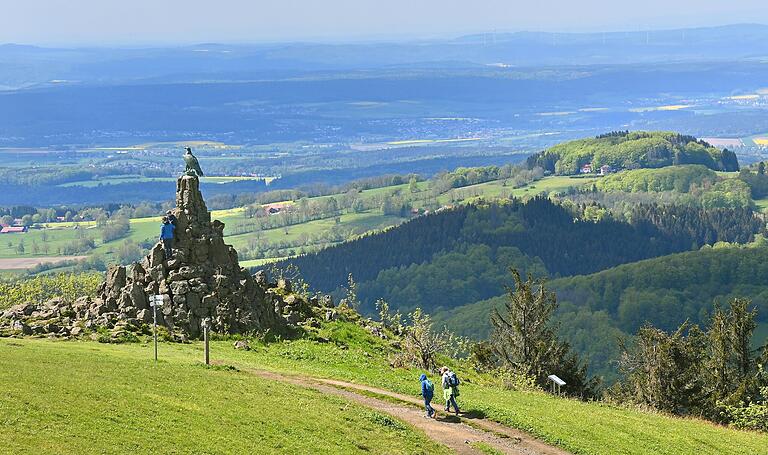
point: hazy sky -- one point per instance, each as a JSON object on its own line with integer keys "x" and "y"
{"x": 138, "y": 22}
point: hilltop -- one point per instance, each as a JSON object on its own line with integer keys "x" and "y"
{"x": 632, "y": 150}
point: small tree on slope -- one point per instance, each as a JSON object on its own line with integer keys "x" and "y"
{"x": 525, "y": 339}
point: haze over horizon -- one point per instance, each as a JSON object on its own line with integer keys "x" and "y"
{"x": 144, "y": 22}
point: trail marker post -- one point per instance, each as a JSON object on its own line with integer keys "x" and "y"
{"x": 206, "y": 324}
{"x": 155, "y": 301}
{"x": 556, "y": 382}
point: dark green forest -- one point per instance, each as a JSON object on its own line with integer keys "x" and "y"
{"x": 449, "y": 263}
{"x": 473, "y": 245}
{"x": 596, "y": 310}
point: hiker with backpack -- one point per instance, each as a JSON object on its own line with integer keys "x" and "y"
{"x": 427, "y": 392}
{"x": 166, "y": 237}
{"x": 450, "y": 384}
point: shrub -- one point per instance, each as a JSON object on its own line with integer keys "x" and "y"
{"x": 752, "y": 416}
{"x": 45, "y": 287}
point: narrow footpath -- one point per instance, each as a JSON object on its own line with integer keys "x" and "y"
{"x": 457, "y": 433}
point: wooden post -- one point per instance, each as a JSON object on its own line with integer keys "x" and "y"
{"x": 155, "y": 301}
{"x": 205, "y": 338}
{"x": 154, "y": 326}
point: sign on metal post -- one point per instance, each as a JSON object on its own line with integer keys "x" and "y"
{"x": 556, "y": 381}
{"x": 155, "y": 301}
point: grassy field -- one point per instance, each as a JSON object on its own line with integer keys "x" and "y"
{"x": 114, "y": 399}
{"x": 176, "y": 394}
{"x": 583, "y": 428}
{"x": 313, "y": 234}
{"x": 116, "y": 180}
{"x": 497, "y": 189}
{"x": 761, "y": 204}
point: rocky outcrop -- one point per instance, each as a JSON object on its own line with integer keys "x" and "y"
{"x": 202, "y": 280}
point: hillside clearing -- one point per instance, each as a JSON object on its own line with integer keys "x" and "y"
{"x": 114, "y": 399}
{"x": 350, "y": 356}
{"x": 26, "y": 263}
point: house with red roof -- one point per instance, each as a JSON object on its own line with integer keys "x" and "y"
{"x": 13, "y": 229}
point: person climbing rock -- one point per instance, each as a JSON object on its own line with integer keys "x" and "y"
{"x": 427, "y": 392}
{"x": 450, "y": 384}
{"x": 171, "y": 217}
{"x": 166, "y": 236}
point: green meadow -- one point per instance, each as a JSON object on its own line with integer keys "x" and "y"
{"x": 85, "y": 397}
{"x": 114, "y": 398}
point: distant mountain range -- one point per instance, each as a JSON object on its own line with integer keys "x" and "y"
{"x": 26, "y": 66}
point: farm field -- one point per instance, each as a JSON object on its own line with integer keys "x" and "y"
{"x": 761, "y": 204}
{"x": 26, "y": 263}
{"x": 139, "y": 179}
{"x": 497, "y": 189}
{"x": 242, "y": 233}
{"x": 760, "y": 139}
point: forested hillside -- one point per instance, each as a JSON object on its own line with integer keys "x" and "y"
{"x": 671, "y": 178}
{"x": 632, "y": 150}
{"x": 691, "y": 184}
{"x": 458, "y": 256}
{"x": 597, "y": 309}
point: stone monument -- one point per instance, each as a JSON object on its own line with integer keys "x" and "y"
{"x": 202, "y": 280}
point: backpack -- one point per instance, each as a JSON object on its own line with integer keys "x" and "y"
{"x": 453, "y": 381}
{"x": 429, "y": 387}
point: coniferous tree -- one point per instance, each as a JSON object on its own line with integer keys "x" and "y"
{"x": 525, "y": 339}
{"x": 742, "y": 327}
{"x": 663, "y": 370}
{"x": 711, "y": 374}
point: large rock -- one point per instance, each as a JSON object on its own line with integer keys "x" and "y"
{"x": 202, "y": 280}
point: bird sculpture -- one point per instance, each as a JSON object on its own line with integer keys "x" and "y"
{"x": 193, "y": 166}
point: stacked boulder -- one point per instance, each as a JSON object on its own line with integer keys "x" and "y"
{"x": 202, "y": 281}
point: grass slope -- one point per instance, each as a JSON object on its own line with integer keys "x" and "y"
{"x": 582, "y": 428}
{"x": 114, "y": 398}
{"x": 70, "y": 397}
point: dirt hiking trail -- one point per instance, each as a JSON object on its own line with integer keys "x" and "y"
{"x": 457, "y": 433}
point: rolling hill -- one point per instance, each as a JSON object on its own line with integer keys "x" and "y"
{"x": 597, "y": 309}
{"x": 632, "y": 150}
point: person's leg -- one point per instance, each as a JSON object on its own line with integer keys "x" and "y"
{"x": 455, "y": 406}
{"x": 427, "y": 407}
{"x": 430, "y": 409}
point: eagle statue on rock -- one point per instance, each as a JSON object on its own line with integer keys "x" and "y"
{"x": 193, "y": 166}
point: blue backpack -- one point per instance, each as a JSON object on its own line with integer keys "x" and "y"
{"x": 429, "y": 387}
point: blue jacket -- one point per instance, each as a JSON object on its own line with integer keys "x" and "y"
{"x": 166, "y": 231}
{"x": 424, "y": 391}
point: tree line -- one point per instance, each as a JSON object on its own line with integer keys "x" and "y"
{"x": 632, "y": 150}
{"x": 565, "y": 243}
